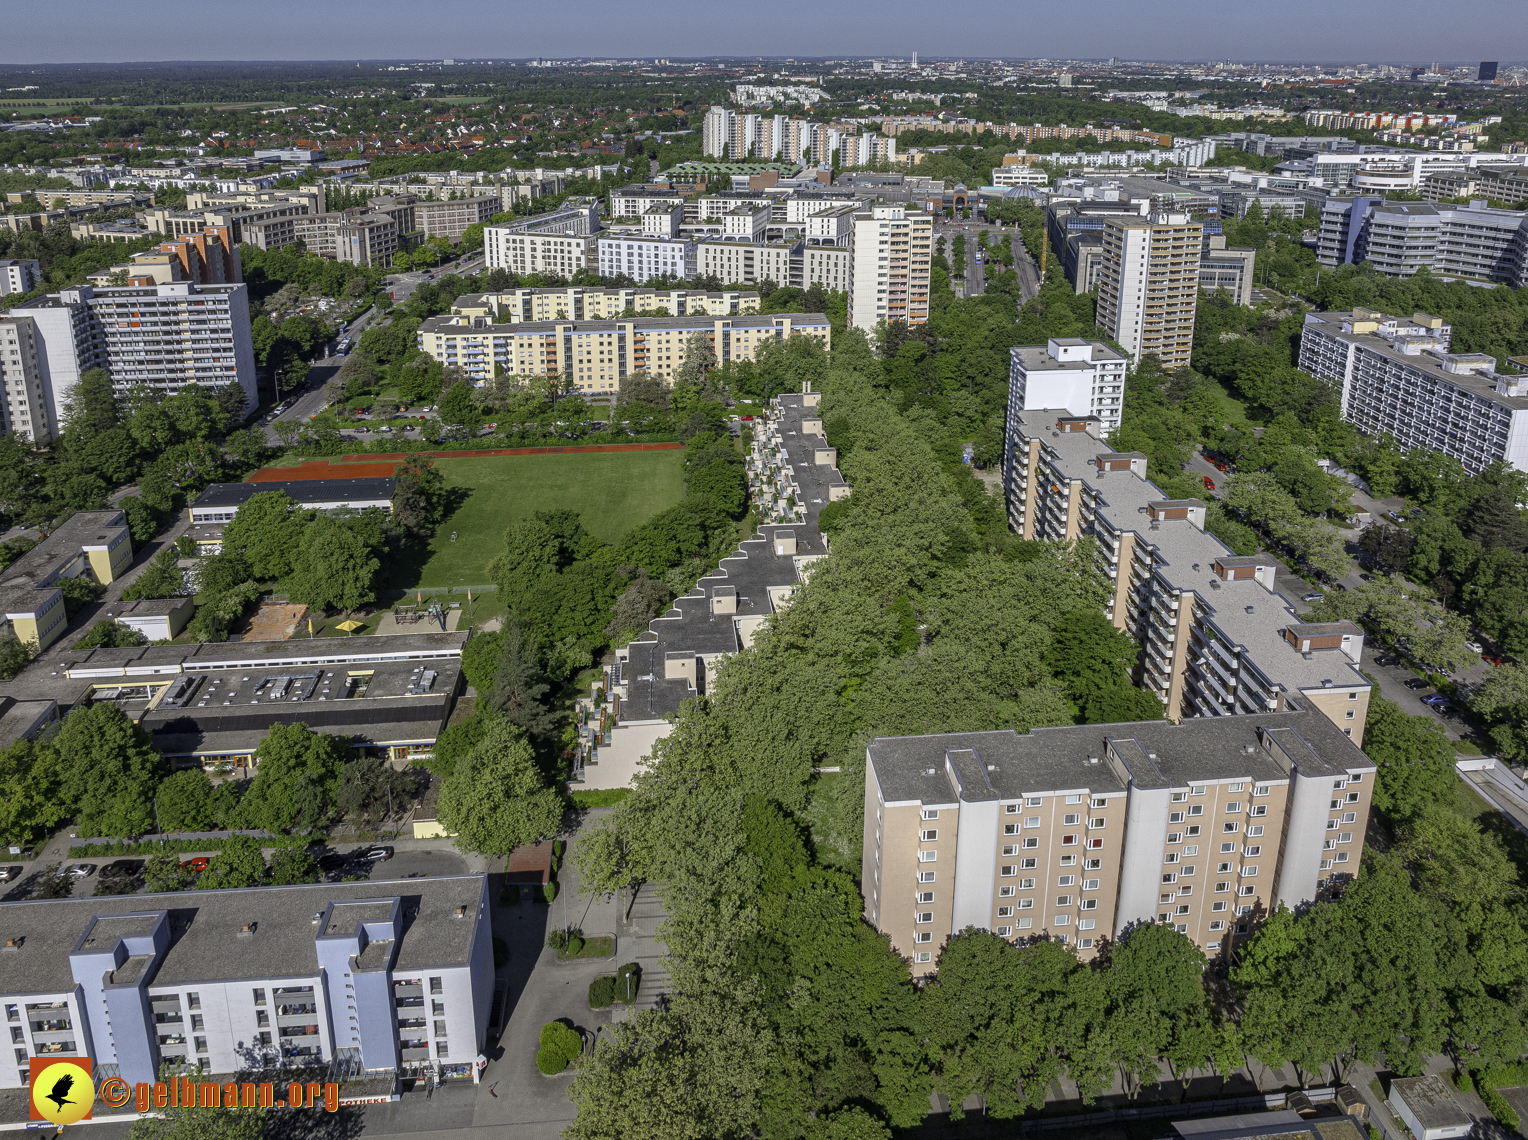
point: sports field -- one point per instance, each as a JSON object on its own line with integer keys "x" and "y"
{"x": 613, "y": 492}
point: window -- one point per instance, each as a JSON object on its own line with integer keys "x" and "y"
{"x": 1350, "y": 817}
{"x": 1345, "y": 837}
{"x": 1004, "y": 931}
{"x": 1090, "y": 884}
{"x": 1258, "y": 809}
{"x": 1341, "y": 857}
{"x": 1093, "y": 864}
{"x": 1338, "y": 785}
{"x": 1005, "y": 912}
{"x": 923, "y": 956}
{"x": 1222, "y": 888}
{"x": 1005, "y": 892}
{"x": 1193, "y": 829}
{"x": 1233, "y": 806}
{"x": 1032, "y": 842}
{"x": 1175, "y": 817}
{"x": 1096, "y": 822}
{"x": 1191, "y": 850}
{"x": 1010, "y": 850}
{"x": 929, "y": 836}
{"x": 1095, "y": 844}
{"x": 923, "y": 936}
{"x": 441, "y": 1049}
{"x": 1026, "y": 884}
{"x": 1332, "y": 825}
{"x": 1356, "y": 779}
{"x": 1195, "y": 809}
{"x": 1260, "y": 789}
{"x": 436, "y": 987}
{"x": 438, "y": 1008}
{"x": 259, "y": 998}
{"x": 1179, "y": 797}
{"x": 1032, "y": 802}
{"x": 1074, "y": 799}
{"x": 1233, "y": 787}
{"x": 925, "y": 896}
{"x": 1084, "y": 944}
{"x": 1245, "y": 889}
{"x": 1031, "y": 821}
{"x": 1255, "y": 830}
{"x": 1175, "y": 837}
{"x": 1026, "y": 904}
{"x": 1098, "y": 802}
{"x": 1066, "y": 880}
{"x": 1170, "y": 857}
{"x": 1182, "y": 909}
{"x": 1348, "y": 715}
{"x": 1169, "y": 877}
{"x": 1218, "y": 907}
{"x": 1231, "y": 828}
{"x": 1063, "y": 900}
{"x": 1007, "y": 869}
{"x": 928, "y": 856}
{"x": 1089, "y": 904}
{"x": 1086, "y": 923}
{"x": 924, "y": 916}
{"x": 262, "y": 1018}
{"x": 1027, "y": 864}
{"x": 1071, "y": 841}
{"x": 1252, "y": 852}
{"x": 1186, "y": 870}
{"x": 925, "y": 876}
{"x": 1062, "y": 920}
{"x": 197, "y": 1023}
{"x": 930, "y": 813}
{"x": 1197, "y": 790}
{"x": 1010, "y": 829}
{"x": 1351, "y": 797}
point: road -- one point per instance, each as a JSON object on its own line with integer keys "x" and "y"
{"x": 975, "y": 283}
{"x": 309, "y": 399}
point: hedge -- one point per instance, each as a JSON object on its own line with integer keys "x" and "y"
{"x": 605, "y": 797}
{"x": 628, "y": 979}
{"x": 560, "y": 1047}
{"x": 1486, "y": 1082}
{"x": 154, "y": 846}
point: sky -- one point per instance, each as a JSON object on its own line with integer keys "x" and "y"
{"x": 1381, "y": 31}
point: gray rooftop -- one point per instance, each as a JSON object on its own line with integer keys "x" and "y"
{"x": 1073, "y": 758}
{"x": 1430, "y": 1101}
{"x": 205, "y": 944}
{"x": 83, "y": 529}
{"x": 299, "y": 490}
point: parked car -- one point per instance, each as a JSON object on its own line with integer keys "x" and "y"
{"x": 198, "y": 864}
{"x": 122, "y": 867}
{"x": 80, "y": 870}
{"x": 1474, "y": 647}
{"x": 1417, "y": 683}
{"x": 1339, "y": 586}
{"x": 1435, "y": 699}
{"x": 1209, "y": 484}
{"x": 363, "y": 430}
{"x": 375, "y": 855}
{"x": 1385, "y": 659}
{"x": 1366, "y": 577}
{"x": 1313, "y": 596}
{"x": 1396, "y": 515}
{"x": 9, "y": 873}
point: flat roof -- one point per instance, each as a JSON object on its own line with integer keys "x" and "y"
{"x": 205, "y": 944}
{"x": 1430, "y": 1101}
{"x": 445, "y": 324}
{"x": 300, "y": 490}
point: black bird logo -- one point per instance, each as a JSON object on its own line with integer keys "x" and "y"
{"x": 60, "y": 1093}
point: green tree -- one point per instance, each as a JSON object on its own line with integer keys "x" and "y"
{"x": 496, "y": 798}
{"x": 163, "y": 872}
{"x": 1156, "y": 998}
{"x": 370, "y": 787}
{"x": 333, "y": 567}
{"x": 1503, "y": 702}
{"x": 108, "y": 771}
{"x": 31, "y": 804}
{"x": 298, "y": 771}
{"x": 1415, "y": 759}
{"x": 519, "y": 685}
{"x": 267, "y": 531}
{"x": 187, "y": 801}
{"x": 419, "y": 495}
{"x": 458, "y": 408}
{"x": 161, "y": 578}
{"x": 239, "y": 864}
{"x": 193, "y": 1123}
{"x": 291, "y": 866}
{"x": 851, "y": 1123}
{"x": 107, "y": 634}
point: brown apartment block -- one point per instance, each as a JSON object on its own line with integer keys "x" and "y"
{"x": 1076, "y": 833}
{"x": 450, "y": 219}
{"x": 1215, "y": 638}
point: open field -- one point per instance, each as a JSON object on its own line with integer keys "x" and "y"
{"x": 611, "y": 491}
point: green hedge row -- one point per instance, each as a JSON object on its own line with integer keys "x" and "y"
{"x": 154, "y": 847}
{"x": 605, "y": 797}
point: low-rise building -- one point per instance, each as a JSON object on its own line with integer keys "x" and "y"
{"x": 359, "y": 975}
{"x": 91, "y": 544}
{"x": 1231, "y": 268}
{"x": 1427, "y": 1108}
{"x": 450, "y": 218}
{"x": 221, "y": 501}
{"x": 1398, "y": 377}
{"x": 19, "y": 275}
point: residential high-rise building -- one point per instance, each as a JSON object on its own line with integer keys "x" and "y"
{"x": 23, "y": 378}
{"x": 160, "y": 337}
{"x": 19, "y": 275}
{"x": 1086, "y": 377}
{"x": 1077, "y": 833}
{"x": 892, "y": 256}
{"x": 1149, "y": 284}
{"x": 716, "y": 132}
{"x": 1397, "y": 377}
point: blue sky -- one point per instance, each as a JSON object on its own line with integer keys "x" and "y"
{"x": 1395, "y": 31}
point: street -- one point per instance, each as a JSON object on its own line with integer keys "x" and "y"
{"x": 975, "y": 282}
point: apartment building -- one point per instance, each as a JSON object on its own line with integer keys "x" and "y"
{"x": 398, "y": 207}
{"x": 359, "y": 974}
{"x": 745, "y": 263}
{"x": 1399, "y": 238}
{"x": 582, "y": 302}
{"x": 19, "y": 275}
{"x": 636, "y": 200}
{"x": 207, "y": 257}
{"x": 562, "y": 243}
{"x": 359, "y": 237}
{"x": 23, "y": 380}
{"x": 271, "y": 232}
{"x": 1215, "y": 638}
{"x": 792, "y": 475}
{"x": 892, "y": 255}
{"x": 162, "y": 337}
{"x": 94, "y": 544}
{"x": 450, "y": 218}
{"x": 596, "y": 355}
{"x": 1086, "y": 377}
{"x": 1076, "y": 833}
{"x": 1149, "y": 285}
{"x": 1231, "y": 268}
{"x": 1398, "y": 376}
{"x": 646, "y": 257}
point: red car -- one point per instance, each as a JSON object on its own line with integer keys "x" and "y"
{"x": 199, "y": 864}
{"x": 1209, "y": 483}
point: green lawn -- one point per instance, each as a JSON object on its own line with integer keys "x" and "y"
{"x": 612, "y": 491}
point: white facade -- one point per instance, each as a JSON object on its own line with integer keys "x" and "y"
{"x": 507, "y": 247}
{"x": 1019, "y": 176}
{"x": 1085, "y": 377}
{"x": 22, "y": 377}
{"x": 893, "y": 248}
{"x": 19, "y": 275}
{"x": 162, "y": 337}
{"x": 1398, "y": 377}
{"x": 1149, "y": 285}
{"x": 645, "y": 258}
{"x": 741, "y": 262}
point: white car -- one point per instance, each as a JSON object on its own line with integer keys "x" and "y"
{"x": 1474, "y": 647}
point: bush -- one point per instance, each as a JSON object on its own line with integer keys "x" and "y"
{"x": 605, "y": 797}
{"x": 628, "y": 979}
{"x": 561, "y": 1045}
{"x": 1463, "y": 1082}
{"x": 1504, "y": 1112}
{"x": 1486, "y": 1082}
{"x": 566, "y": 942}
{"x": 602, "y": 992}
{"x": 547, "y": 893}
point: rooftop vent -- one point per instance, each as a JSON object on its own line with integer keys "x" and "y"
{"x": 1196, "y": 566}
{"x": 1214, "y": 583}
{"x": 246, "y": 930}
{"x": 12, "y": 943}
{"x": 1249, "y": 749}
{"x": 1092, "y": 759}
{"x": 461, "y": 912}
{"x": 931, "y": 771}
{"x": 318, "y": 916}
{"x": 1326, "y": 683}
{"x": 1250, "y": 609}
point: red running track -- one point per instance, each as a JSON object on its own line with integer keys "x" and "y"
{"x": 373, "y": 465}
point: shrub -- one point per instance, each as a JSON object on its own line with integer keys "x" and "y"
{"x": 1486, "y": 1082}
{"x": 561, "y": 1045}
{"x": 547, "y": 893}
{"x": 566, "y": 942}
{"x": 602, "y": 992}
{"x": 628, "y": 979}
{"x": 1463, "y": 1082}
{"x": 605, "y": 797}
